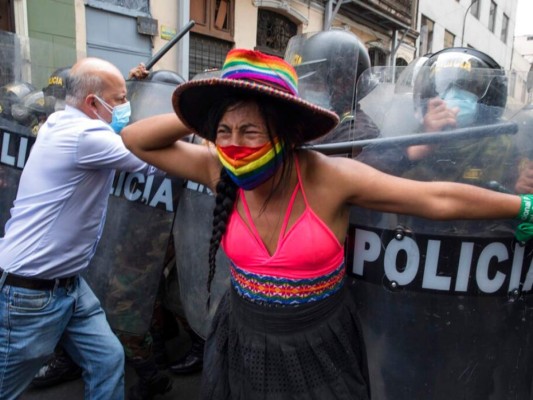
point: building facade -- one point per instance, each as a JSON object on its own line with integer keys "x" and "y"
{"x": 486, "y": 25}
{"x": 130, "y": 31}
{"x": 127, "y": 32}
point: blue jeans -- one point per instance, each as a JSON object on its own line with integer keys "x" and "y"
{"x": 33, "y": 322}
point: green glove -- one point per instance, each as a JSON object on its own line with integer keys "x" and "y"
{"x": 524, "y": 232}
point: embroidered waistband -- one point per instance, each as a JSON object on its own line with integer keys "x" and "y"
{"x": 285, "y": 291}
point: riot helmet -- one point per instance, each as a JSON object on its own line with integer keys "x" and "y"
{"x": 165, "y": 76}
{"x": 33, "y": 110}
{"x": 13, "y": 93}
{"x": 407, "y": 77}
{"x": 207, "y": 74}
{"x": 328, "y": 65}
{"x": 149, "y": 96}
{"x": 466, "y": 78}
{"x": 56, "y": 91}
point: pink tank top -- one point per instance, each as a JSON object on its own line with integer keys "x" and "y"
{"x": 308, "y": 249}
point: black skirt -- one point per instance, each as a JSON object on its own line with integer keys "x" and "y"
{"x": 311, "y": 351}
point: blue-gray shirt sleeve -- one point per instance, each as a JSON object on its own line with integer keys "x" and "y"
{"x": 99, "y": 147}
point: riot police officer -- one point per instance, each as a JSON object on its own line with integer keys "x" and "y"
{"x": 458, "y": 88}
{"x": 329, "y": 64}
{"x": 56, "y": 90}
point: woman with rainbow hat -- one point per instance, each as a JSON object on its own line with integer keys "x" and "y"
{"x": 288, "y": 328}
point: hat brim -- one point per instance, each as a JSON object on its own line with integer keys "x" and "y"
{"x": 192, "y": 101}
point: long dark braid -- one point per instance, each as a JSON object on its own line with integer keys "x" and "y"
{"x": 225, "y": 199}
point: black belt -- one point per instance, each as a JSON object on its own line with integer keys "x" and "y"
{"x": 29, "y": 282}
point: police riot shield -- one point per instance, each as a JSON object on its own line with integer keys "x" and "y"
{"x": 446, "y": 306}
{"x": 15, "y": 144}
{"x": 192, "y": 234}
{"x": 126, "y": 271}
{"x": 22, "y": 108}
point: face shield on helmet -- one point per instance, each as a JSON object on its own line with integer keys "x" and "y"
{"x": 150, "y": 96}
{"x": 466, "y": 79}
{"x": 32, "y": 111}
{"x": 11, "y": 94}
{"x": 328, "y": 64}
{"x": 407, "y": 77}
{"x": 207, "y": 74}
{"x": 165, "y": 76}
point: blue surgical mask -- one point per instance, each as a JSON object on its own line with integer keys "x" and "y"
{"x": 120, "y": 115}
{"x": 467, "y": 104}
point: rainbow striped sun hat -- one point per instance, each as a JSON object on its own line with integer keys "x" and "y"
{"x": 248, "y": 72}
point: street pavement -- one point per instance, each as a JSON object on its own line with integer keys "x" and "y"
{"x": 185, "y": 387}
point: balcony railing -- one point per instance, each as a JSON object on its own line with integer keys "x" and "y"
{"x": 389, "y": 14}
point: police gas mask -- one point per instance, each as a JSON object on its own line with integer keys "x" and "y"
{"x": 120, "y": 114}
{"x": 466, "y": 102}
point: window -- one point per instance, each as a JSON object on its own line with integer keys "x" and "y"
{"x": 474, "y": 9}
{"x": 401, "y": 62}
{"x": 505, "y": 28}
{"x": 213, "y": 18}
{"x": 7, "y": 20}
{"x": 206, "y": 53}
{"x": 492, "y": 16}
{"x": 212, "y": 35}
{"x": 377, "y": 56}
{"x": 426, "y": 35}
{"x": 449, "y": 39}
{"x": 273, "y": 32}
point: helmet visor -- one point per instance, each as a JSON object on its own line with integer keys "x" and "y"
{"x": 326, "y": 75}
{"x": 483, "y": 86}
{"x": 462, "y": 71}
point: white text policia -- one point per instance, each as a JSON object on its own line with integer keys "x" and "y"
{"x": 150, "y": 190}
{"x": 469, "y": 266}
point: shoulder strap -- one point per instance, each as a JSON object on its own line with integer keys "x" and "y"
{"x": 300, "y": 181}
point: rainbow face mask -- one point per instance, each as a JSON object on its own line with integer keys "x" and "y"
{"x": 249, "y": 167}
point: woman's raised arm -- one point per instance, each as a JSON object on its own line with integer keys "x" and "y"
{"x": 156, "y": 140}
